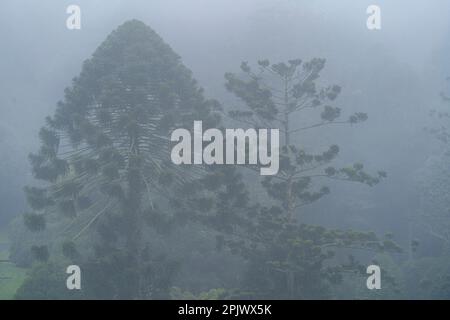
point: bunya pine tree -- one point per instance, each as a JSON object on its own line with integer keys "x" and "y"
{"x": 104, "y": 163}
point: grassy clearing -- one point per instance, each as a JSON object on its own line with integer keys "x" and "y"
{"x": 11, "y": 277}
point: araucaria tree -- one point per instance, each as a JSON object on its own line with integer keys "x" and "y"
{"x": 287, "y": 258}
{"x": 107, "y": 178}
{"x": 433, "y": 181}
{"x": 105, "y": 162}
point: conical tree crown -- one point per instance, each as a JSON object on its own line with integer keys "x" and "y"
{"x": 105, "y": 156}
{"x": 134, "y": 72}
{"x": 111, "y": 132}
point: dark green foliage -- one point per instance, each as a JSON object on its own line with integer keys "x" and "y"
{"x": 69, "y": 250}
{"x": 40, "y": 253}
{"x": 37, "y": 198}
{"x": 288, "y": 259}
{"x": 34, "y": 222}
{"x": 47, "y": 281}
{"x": 105, "y": 159}
{"x": 67, "y": 208}
{"x": 108, "y": 180}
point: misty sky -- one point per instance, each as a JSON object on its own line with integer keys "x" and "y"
{"x": 394, "y": 74}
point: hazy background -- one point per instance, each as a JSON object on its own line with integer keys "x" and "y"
{"x": 394, "y": 74}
